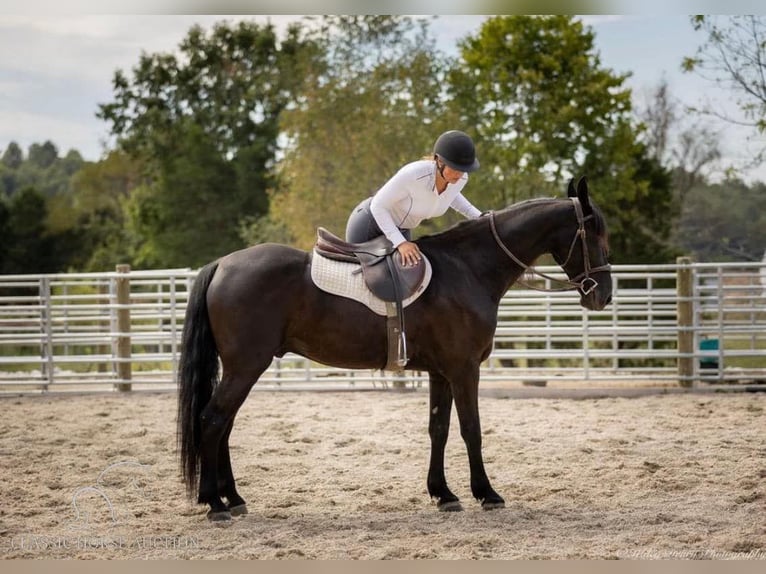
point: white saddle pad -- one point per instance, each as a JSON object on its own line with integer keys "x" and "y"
{"x": 338, "y": 278}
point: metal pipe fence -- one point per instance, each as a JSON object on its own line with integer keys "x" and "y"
{"x": 122, "y": 330}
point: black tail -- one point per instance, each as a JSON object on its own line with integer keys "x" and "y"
{"x": 197, "y": 375}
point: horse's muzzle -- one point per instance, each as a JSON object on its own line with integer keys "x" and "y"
{"x": 596, "y": 295}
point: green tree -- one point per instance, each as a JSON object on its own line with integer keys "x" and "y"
{"x": 93, "y": 209}
{"x": 216, "y": 104}
{"x": 12, "y": 159}
{"x": 634, "y": 191}
{"x": 44, "y": 170}
{"x": 13, "y": 156}
{"x": 535, "y": 90}
{"x": 29, "y": 249}
{"x": 724, "y": 222}
{"x": 191, "y": 185}
{"x": 44, "y": 155}
{"x": 35, "y": 187}
{"x": 7, "y": 181}
{"x": 72, "y": 162}
{"x": 372, "y": 104}
{"x": 5, "y": 233}
{"x": 545, "y": 109}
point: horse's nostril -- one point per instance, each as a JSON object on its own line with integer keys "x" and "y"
{"x": 608, "y": 300}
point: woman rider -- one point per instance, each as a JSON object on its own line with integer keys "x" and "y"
{"x": 419, "y": 190}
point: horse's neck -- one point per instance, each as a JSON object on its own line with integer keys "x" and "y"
{"x": 526, "y": 231}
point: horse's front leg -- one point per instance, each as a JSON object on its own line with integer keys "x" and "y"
{"x": 438, "y": 429}
{"x": 465, "y": 389}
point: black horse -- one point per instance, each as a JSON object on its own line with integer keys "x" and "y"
{"x": 259, "y": 303}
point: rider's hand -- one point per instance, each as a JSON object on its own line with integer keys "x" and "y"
{"x": 410, "y": 253}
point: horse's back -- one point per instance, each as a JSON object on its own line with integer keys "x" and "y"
{"x": 261, "y": 267}
{"x": 256, "y": 286}
{"x": 263, "y": 254}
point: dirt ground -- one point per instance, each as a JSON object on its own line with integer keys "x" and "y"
{"x": 342, "y": 475}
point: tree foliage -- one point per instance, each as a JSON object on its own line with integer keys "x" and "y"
{"x": 13, "y": 156}
{"x": 5, "y": 234}
{"x": 204, "y": 124}
{"x": 537, "y": 96}
{"x": 30, "y": 187}
{"x": 239, "y": 137}
{"x": 685, "y": 145}
{"x": 733, "y": 56}
{"x": 94, "y": 208}
{"x": 634, "y": 192}
{"x": 28, "y": 248}
{"x": 545, "y": 109}
{"x": 370, "y": 105}
{"x": 724, "y": 222}
{"x": 42, "y": 168}
{"x": 189, "y": 187}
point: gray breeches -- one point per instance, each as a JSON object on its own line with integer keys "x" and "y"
{"x": 361, "y": 225}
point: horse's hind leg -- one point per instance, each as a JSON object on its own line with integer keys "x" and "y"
{"x": 226, "y": 485}
{"x": 215, "y": 425}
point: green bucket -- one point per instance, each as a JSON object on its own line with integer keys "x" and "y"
{"x": 709, "y": 345}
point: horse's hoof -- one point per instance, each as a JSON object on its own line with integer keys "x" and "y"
{"x": 493, "y": 505}
{"x": 238, "y": 510}
{"x": 450, "y": 506}
{"x": 218, "y": 516}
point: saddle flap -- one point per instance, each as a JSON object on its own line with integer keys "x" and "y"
{"x": 381, "y": 283}
{"x": 385, "y": 281}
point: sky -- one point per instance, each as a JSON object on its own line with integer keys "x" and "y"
{"x": 55, "y": 69}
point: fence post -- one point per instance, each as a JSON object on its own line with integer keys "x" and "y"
{"x": 46, "y": 328}
{"x": 124, "y": 366}
{"x": 685, "y": 293}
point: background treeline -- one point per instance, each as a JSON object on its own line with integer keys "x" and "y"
{"x": 241, "y": 136}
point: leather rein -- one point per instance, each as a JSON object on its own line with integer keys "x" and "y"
{"x": 584, "y": 282}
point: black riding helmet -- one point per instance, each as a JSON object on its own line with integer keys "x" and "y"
{"x": 456, "y": 149}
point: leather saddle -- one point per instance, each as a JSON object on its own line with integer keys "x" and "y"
{"x": 384, "y": 284}
{"x": 387, "y": 278}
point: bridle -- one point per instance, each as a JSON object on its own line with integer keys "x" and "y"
{"x": 584, "y": 282}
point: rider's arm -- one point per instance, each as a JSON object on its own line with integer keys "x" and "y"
{"x": 464, "y": 207}
{"x": 393, "y": 191}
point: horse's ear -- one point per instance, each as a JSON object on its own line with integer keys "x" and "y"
{"x": 582, "y": 194}
{"x": 571, "y": 189}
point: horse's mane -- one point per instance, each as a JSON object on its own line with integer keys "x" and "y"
{"x": 468, "y": 227}
{"x": 601, "y": 229}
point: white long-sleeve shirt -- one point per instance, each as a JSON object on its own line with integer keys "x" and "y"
{"x": 410, "y": 196}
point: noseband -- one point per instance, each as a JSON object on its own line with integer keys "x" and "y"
{"x": 584, "y": 282}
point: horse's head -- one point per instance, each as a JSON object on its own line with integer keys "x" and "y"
{"x": 582, "y": 249}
